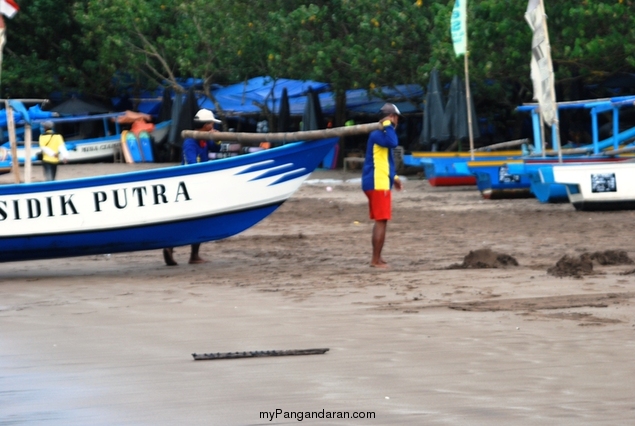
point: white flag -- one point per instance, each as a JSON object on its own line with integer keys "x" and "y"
{"x": 9, "y": 8}
{"x": 541, "y": 66}
{"x": 458, "y": 27}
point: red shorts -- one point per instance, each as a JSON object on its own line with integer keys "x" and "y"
{"x": 379, "y": 204}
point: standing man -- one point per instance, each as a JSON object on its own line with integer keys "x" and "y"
{"x": 53, "y": 150}
{"x": 196, "y": 151}
{"x": 379, "y": 176}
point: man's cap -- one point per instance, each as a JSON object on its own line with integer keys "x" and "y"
{"x": 389, "y": 108}
{"x": 206, "y": 116}
{"x": 47, "y": 124}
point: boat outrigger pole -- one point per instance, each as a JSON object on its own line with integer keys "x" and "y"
{"x": 283, "y": 137}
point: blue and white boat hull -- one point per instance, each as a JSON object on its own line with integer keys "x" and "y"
{"x": 152, "y": 209}
{"x": 599, "y": 186}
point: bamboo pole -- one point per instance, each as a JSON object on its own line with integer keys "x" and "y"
{"x": 619, "y": 151}
{"x": 565, "y": 152}
{"x": 15, "y": 166}
{"x": 502, "y": 145}
{"x": 468, "y": 97}
{"x": 27, "y": 152}
{"x": 564, "y": 103}
{"x": 27, "y": 100}
{"x": 283, "y": 137}
{"x": 556, "y": 142}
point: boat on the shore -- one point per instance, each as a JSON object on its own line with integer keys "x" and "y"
{"x": 89, "y": 138}
{"x": 152, "y": 209}
{"x": 532, "y": 175}
{"x": 598, "y": 186}
{"x": 439, "y": 167}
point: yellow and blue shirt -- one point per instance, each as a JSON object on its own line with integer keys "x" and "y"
{"x": 379, "y": 166}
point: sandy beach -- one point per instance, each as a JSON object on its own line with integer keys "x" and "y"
{"x": 508, "y": 336}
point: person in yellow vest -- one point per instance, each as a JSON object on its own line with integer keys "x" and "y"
{"x": 53, "y": 150}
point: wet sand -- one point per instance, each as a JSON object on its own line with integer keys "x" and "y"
{"x": 108, "y": 340}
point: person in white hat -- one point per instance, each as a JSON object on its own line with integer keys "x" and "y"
{"x": 196, "y": 151}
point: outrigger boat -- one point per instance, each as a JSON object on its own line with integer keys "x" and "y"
{"x": 158, "y": 208}
{"x": 532, "y": 174}
{"x": 598, "y": 186}
{"x": 439, "y": 167}
{"x": 100, "y": 144}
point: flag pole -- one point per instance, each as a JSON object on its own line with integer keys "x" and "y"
{"x": 458, "y": 30}
{"x": 556, "y": 122}
{"x": 468, "y": 95}
{"x": 469, "y": 107}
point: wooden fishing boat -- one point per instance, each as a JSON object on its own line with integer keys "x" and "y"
{"x": 541, "y": 179}
{"x": 494, "y": 180}
{"x": 152, "y": 209}
{"x": 439, "y": 167}
{"x": 91, "y": 138}
{"x": 599, "y": 186}
{"x": 532, "y": 174}
{"x": 158, "y": 208}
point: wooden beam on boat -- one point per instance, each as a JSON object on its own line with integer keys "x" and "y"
{"x": 283, "y": 137}
{"x": 255, "y": 354}
{"x": 27, "y": 100}
{"x": 565, "y": 103}
{"x": 15, "y": 166}
{"x": 565, "y": 151}
{"x": 619, "y": 151}
{"x": 502, "y": 145}
{"x": 28, "y": 137}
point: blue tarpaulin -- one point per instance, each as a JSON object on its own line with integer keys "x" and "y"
{"x": 35, "y": 112}
{"x": 245, "y": 98}
{"x": 248, "y": 98}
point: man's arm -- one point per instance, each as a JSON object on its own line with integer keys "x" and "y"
{"x": 63, "y": 152}
{"x": 386, "y": 137}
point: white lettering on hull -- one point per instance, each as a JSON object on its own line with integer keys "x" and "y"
{"x": 64, "y": 204}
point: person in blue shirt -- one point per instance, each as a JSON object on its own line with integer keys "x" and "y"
{"x": 379, "y": 176}
{"x": 196, "y": 151}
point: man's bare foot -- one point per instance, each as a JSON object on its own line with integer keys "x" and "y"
{"x": 197, "y": 260}
{"x": 383, "y": 265}
{"x": 167, "y": 256}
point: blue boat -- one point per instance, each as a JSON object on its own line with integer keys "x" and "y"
{"x": 89, "y": 138}
{"x": 532, "y": 175}
{"x": 439, "y": 167}
{"x": 494, "y": 180}
{"x": 152, "y": 209}
{"x": 541, "y": 178}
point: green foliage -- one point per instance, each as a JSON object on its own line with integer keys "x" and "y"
{"x": 42, "y": 53}
{"x": 82, "y": 44}
{"x": 351, "y": 44}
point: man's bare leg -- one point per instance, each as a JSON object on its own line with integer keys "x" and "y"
{"x": 194, "y": 257}
{"x": 379, "y": 236}
{"x": 167, "y": 256}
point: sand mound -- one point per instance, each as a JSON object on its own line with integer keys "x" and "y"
{"x": 610, "y": 257}
{"x": 485, "y": 258}
{"x": 570, "y": 266}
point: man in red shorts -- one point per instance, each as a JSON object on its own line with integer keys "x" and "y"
{"x": 379, "y": 176}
